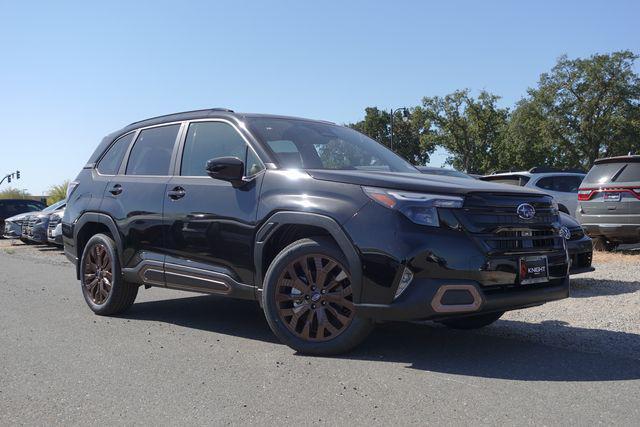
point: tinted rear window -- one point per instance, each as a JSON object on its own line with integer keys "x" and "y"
{"x": 110, "y": 163}
{"x": 613, "y": 172}
{"x": 151, "y": 153}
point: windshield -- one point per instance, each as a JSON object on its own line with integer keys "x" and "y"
{"x": 303, "y": 144}
{"x": 55, "y": 206}
{"x": 519, "y": 180}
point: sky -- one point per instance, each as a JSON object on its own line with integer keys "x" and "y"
{"x": 71, "y": 72}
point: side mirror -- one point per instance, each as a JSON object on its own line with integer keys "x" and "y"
{"x": 227, "y": 169}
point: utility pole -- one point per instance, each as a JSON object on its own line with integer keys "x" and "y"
{"x": 405, "y": 117}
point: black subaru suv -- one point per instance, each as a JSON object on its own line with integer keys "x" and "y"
{"x": 327, "y": 229}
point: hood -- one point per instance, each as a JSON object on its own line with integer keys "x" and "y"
{"x": 19, "y": 217}
{"x": 418, "y": 182}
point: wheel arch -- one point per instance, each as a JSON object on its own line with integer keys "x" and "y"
{"x": 89, "y": 224}
{"x": 327, "y": 225}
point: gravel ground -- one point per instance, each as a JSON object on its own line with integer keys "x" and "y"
{"x": 178, "y": 358}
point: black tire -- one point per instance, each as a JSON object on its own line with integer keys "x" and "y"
{"x": 603, "y": 245}
{"x": 473, "y": 322}
{"x": 350, "y": 335}
{"x": 121, "y": 294}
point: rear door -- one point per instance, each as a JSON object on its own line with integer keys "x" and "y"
{"x": 612, "y": 190}
{"x": 563, "y": 188}
{"x": 211, "y": 224}
{"x": 134, "y": 197}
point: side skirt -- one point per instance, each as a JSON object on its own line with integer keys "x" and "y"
{"x": 175, "y": 276}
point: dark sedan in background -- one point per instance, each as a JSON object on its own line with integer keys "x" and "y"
{"x": 579, "y": 245}
{"x": 11, "y": 209}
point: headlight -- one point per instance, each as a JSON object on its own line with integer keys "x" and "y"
{"x": 420, "y": 208}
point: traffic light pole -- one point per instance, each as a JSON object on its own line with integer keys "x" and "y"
{"x": 8, "y": 176}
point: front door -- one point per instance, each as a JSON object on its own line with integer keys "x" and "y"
{"x": 210, "y": 223}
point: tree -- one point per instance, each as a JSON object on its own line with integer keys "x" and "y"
{"x": 469, "y": 128}
{"x": 409, "y": 137}
{"x": 13, "y": 193}
{"x": 581, "y": 110}
{"x": 57, "y": 192}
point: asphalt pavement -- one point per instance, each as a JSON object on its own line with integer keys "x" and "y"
{"x": 178, "y": 358}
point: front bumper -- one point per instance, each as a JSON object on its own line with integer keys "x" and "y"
{"x": 11, "y": 230}
{"x": 431, "y": 299}
{"x": 580, "y": 255}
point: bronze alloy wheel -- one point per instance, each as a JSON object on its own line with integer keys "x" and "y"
{"x": 314, "y": 298}
{"x": 98, "y": 274}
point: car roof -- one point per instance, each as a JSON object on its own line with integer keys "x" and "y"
{"x": 206, "y": 113}
{"x": 616, "y": 159}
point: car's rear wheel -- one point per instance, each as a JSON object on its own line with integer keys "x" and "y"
{"x": 473, "y": 322}
{"x": 308, "y": 299}
{"x": 103, "y": 287}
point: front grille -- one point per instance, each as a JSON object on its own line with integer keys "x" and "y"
{"x": 53, "y": 222}
{"x": 493, "y": 220}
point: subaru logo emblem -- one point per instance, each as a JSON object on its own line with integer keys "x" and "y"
{"x": 526, "y": 211}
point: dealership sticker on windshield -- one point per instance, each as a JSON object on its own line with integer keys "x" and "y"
{"x": 534, "y": 270}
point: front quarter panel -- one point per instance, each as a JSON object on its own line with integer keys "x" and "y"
{"x": 295, "y": 190}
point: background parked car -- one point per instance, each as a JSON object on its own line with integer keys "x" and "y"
{"x": 36, "y": 225}
{"x": 562, "y": 185}
{"x": 13, "y": 207}
{"x": 443, "y": 172}
{"x": 609, "y": 201}
{"x": 54, "y": 233}
{"x": 13, "y": 226}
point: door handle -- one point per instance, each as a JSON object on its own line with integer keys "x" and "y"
{"x": 116, "y": 189}
{"x": 176, "y": 193}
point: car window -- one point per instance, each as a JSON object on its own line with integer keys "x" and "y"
{"x": 563, "y": 184}
{"x": 208, "y": 140}
{"x": 151, "y": 153}
{"x": 110, "y": 163}
{"x": 307, "y": 144}
{"x": 613, "y": 172}
{"x": 630, "y": 174}
{"x": 9, "y": 208}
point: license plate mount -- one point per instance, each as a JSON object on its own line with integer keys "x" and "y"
{"x": 534, "y": 269}
{"x": 612, "y": 197}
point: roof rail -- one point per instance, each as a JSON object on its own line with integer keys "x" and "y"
{"x": 228, "y": 110}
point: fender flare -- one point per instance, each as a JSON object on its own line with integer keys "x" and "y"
{"x": 278, "y": 219}
{"x": 100, "y": 218}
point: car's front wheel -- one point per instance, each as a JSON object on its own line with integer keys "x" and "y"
{"x": 308, "y": 299}
{"x": 103, "y": 287}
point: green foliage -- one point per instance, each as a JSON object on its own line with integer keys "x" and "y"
{"x": 409, "y": 135}
{"x": 581, "y": 110}
{"x": 14, "y": 193}
{"x": 57, "y": 192}
{"x": 469, "y": 128}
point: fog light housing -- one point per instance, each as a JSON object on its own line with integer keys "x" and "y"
{"x": 405, "y": 280}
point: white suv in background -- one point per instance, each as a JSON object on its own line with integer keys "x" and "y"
{"x": 561, "y": 184}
